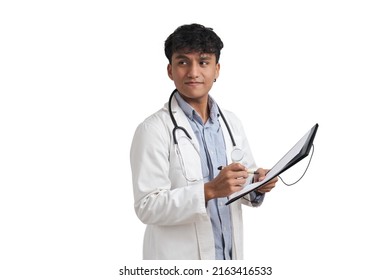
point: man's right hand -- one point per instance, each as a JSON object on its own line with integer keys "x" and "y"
{"x": 231, "y": 179}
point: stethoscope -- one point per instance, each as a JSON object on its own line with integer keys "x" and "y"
{"x": 237, "y": 154}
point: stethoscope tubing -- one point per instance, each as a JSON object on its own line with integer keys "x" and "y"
{"x": 176, "y": 127}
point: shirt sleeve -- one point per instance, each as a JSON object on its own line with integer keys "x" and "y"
{"x": 256, "y": 198}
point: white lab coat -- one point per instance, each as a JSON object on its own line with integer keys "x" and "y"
{"x": 174, "y": 209}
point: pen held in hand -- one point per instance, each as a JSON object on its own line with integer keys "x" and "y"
{"x": 250, "y": 171}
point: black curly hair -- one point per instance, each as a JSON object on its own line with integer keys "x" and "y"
{"x": 193, "y": 38}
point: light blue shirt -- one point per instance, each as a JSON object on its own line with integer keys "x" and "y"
{"x": 213, "y": 155}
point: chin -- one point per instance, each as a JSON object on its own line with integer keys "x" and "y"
{"x": 194, "y": 93}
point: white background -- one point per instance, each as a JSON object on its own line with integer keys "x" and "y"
{"x": 76, "y": 78}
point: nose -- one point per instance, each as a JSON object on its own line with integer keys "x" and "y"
{"x": 193, "y": 71}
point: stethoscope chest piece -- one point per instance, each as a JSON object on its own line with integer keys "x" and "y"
{"x": 237, "y": 154}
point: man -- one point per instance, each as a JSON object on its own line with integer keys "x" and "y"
{"x": 181, "y": 160}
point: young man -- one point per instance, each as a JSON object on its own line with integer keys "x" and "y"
{"x": 179, "y": 190}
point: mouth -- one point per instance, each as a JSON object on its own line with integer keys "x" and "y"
{"x": 193, "y": 83}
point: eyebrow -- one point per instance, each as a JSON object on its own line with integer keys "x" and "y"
{"x": 180, "y": 56}
{"x": 208, "y": 57}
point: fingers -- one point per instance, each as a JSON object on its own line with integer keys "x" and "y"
{"x": 273, "y": 181}
{"x": 239, "y": 182}
{"x": 266, "y": 188}
{"x": 236, "y": 180}
{"x": 262, "y": 172}
{"x": 235, "y": 170}
{"x": 269, "y": 186}
{"x": 236, "y": 167}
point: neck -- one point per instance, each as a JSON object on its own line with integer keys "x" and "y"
{"x": 201, "y": 106}
{"x": 203, "y": 111}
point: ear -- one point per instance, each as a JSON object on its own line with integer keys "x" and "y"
{"x": 169, "y": 70}
{"x": 217, "y": 67}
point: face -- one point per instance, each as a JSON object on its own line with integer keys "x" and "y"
{"x": 193, "y": 74}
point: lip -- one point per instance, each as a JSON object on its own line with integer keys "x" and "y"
{"x": 193, "y": 83}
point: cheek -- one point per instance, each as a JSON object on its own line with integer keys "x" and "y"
{"x": 176, "y": 74}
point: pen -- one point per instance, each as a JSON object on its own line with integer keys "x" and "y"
{"x": 250, "y": 171}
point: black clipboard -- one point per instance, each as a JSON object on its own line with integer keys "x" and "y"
{"x": 298, "y": 152}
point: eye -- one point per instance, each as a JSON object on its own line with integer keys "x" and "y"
{"x": 204, "y": 63}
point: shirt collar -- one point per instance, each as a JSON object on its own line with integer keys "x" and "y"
{"x": 190, "y": 112}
